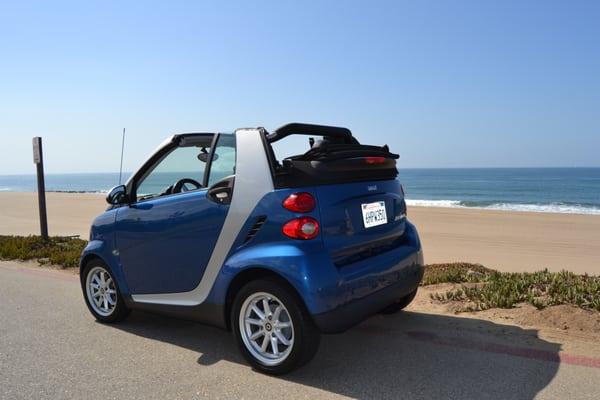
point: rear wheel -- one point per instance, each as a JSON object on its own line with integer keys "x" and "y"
{"x": 272, "y": 327}
{"x": 400, "y": 304}
{"x": 101, "y": 293}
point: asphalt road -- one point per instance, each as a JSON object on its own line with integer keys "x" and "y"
{"x": 51, "y": 347}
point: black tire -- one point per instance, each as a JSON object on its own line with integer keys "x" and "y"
{"x": 120, "y": 310}
{"x": 306, "y": 335}
{"x": 400, "y": 304}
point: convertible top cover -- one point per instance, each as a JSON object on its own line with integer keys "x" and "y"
{"x": 337, "y": 158}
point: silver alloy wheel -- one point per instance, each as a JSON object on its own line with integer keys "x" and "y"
{"x": 266, "y": 328}
{"x": 101, "y": 291}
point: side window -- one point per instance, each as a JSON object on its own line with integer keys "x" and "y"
{"x": 223, "y": 164}
{"x": 181, "y": 170}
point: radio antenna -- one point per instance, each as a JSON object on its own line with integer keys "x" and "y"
{"x": 122, "y": 149}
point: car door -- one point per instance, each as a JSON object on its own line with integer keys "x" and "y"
{"x": 166, "y": 237}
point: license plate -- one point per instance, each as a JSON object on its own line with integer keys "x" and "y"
{"x": 374, "y": 214}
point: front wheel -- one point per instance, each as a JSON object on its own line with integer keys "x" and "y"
{"x": 101, "y": 293}
{"x": 272, "y": 327}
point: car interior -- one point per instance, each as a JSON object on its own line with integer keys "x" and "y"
{"x": 182, "y": 169}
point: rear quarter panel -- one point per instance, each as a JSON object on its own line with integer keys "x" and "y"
{"x": 303, "y": 264}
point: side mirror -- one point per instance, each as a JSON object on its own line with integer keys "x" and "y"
{"x": 117, "y": 195}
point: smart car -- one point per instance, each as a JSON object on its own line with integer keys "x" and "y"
{"x": 246, "y": 232}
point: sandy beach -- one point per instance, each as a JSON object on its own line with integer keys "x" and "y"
{"x": 508, "y": 241}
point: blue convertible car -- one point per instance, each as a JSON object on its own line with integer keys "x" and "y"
{"x": 222, "y": 229}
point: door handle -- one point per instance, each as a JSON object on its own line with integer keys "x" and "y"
{"x": 220, "y": 195}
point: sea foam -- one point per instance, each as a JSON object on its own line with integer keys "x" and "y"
{"x": 544, "y": 208}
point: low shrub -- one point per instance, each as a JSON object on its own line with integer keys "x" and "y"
{"x": 540, "y": 289}
{"x": 62, "y": 251}
{"x": 455, "y": 273}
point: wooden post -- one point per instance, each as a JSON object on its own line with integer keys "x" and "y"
{"x": 38, "y": 159}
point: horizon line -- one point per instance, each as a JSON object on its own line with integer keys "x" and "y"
{"x": 401, "y": 168}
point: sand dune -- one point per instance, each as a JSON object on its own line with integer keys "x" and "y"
{"x": 508, "y": 241}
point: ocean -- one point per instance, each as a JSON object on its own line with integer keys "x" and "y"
{"x": 553, "y": 190}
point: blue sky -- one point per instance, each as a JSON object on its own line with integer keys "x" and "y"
{"x": 445, "y": 83}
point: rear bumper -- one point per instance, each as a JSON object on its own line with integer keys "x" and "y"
{"x": 347, "y": 315}
{"x": 367, "y": 287}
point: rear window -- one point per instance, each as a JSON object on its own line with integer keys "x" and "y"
{"x": 293, "y": 145}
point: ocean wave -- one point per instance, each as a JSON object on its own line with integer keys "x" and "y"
{"x": 434, "y": 203}
{"x": 29, "y": 190}
{"x": 103, "y": 191}
{"x": 557, "y": 208}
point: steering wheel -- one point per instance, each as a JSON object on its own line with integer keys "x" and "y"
{"x": 180, "y": 187}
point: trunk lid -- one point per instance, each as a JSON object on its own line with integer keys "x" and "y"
{"x": 360, "y": 220}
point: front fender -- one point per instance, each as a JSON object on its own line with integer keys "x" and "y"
{"x": 102, "y": 245}
{"x": 100, "y": 249}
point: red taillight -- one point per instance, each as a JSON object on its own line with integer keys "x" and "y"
{"x": 374, "y": 160}
{"x": 300, "y": 202}
{"x": 304, "y": 228}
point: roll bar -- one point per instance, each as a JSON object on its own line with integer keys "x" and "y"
{"x": 296, "y": 128}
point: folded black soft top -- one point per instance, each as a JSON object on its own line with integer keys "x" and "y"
{"x": 332, "y": 152}
{"x": 337, "y": 158}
